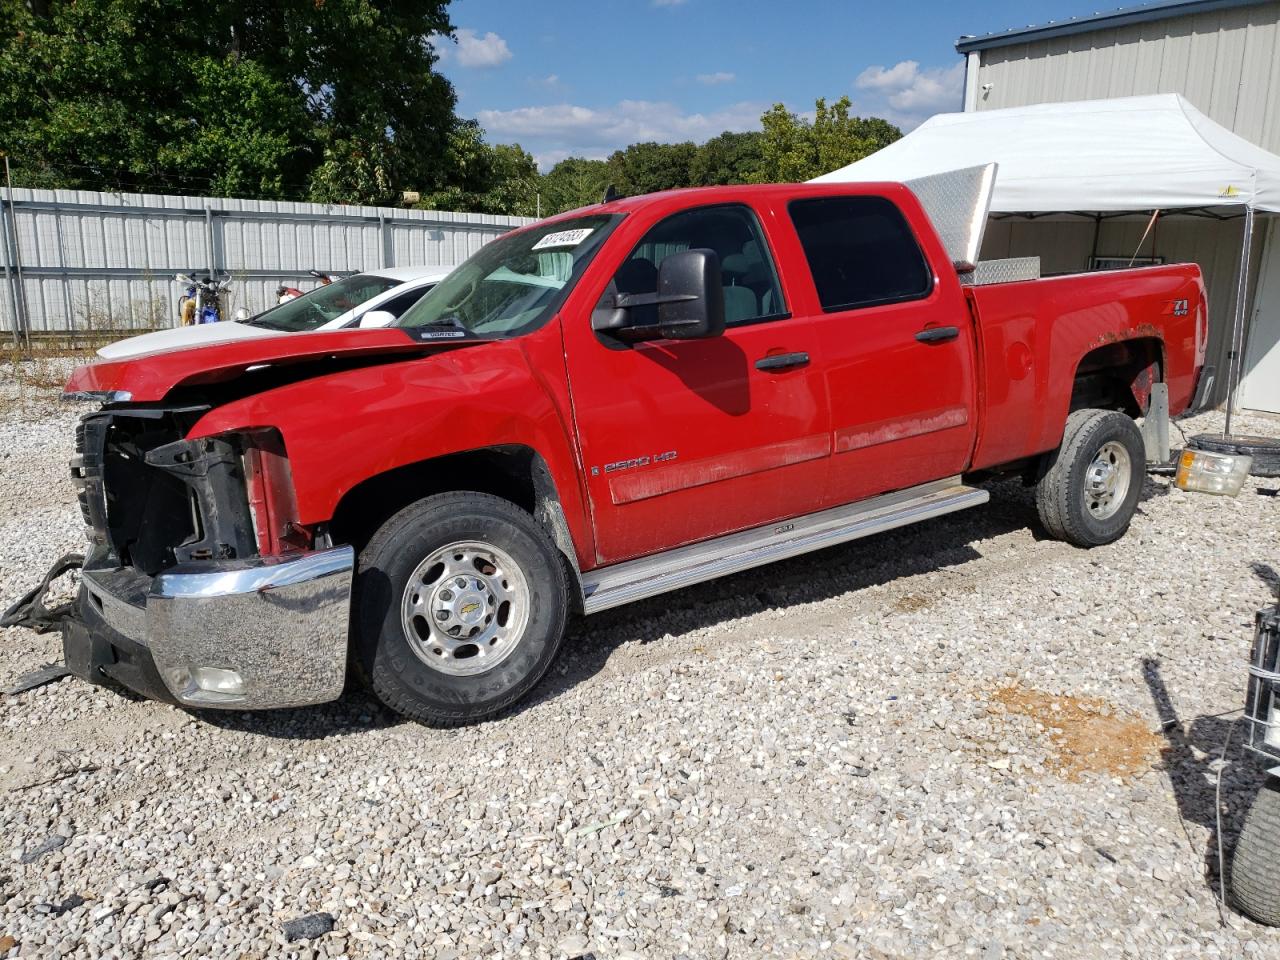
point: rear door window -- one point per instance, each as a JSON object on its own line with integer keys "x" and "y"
{"x": 861, "y": 252}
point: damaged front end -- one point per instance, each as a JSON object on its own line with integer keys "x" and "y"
{"x": 199, "y": 587}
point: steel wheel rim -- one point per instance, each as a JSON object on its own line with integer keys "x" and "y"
{"x": 1106, "y": 480}
{"x": 465, "y": 608}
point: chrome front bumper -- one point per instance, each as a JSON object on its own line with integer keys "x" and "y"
{"x": 245, "y": 635}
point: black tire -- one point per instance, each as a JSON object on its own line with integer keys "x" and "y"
{"x": 399, "y": 676}
{"x": 1061, "y": 494}
{"x": 1255, "y": 865}
{"x": 1265, "y": 451}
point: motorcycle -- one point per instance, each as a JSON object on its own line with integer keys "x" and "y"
{"x": 201, "y": 300}
{"x": 286, "y": 293}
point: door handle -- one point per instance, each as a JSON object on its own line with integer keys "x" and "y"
{"x": 937, "y": 334}
{"x": 782, "y": 361}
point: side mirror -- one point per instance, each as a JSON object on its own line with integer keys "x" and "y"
{"x": 377, "y": 318}
{"x": 689, "y": 298}
{"x": 242, "y": 315}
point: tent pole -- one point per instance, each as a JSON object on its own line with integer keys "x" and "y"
{"x": 1236, "y": 356}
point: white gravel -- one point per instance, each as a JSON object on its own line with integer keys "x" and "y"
{"x": 802, "y": 761}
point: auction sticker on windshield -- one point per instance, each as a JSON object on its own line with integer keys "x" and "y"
{"x": 565, "y": 238}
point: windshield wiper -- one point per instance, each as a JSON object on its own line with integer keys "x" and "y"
{"x": 262, "y": 321}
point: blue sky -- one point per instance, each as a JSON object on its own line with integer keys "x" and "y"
{"x": 571, "y": 77}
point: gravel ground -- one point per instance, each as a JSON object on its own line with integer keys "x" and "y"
{"x": 941, "y": 741}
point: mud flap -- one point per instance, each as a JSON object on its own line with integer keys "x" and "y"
{"x": 1155, "y": 425}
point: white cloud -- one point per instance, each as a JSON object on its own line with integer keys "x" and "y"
{"x": 912, "y": 93}
{"x": 628, "y": 121}
{"x": 546, "y": 159}
{"x": 565, "y": 129}
{"x": 711, "y": 79}
{"x": 472, "y": 49}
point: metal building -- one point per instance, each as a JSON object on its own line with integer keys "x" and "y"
{"x": 1223, "y": 56}
{"x": 77, "y": 261}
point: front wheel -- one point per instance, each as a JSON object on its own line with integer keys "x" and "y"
{"x": 460, "y": 608}
{"x": 1090, "y": 485}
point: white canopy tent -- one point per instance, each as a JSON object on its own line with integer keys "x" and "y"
{"x": 1131, "y": 154}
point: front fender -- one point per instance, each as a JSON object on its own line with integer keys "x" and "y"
{"x": 343, "y": 428}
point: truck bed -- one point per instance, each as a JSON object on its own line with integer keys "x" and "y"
{"x": 1032, "y": 335}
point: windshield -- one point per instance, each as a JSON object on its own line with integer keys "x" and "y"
{"x": 514, "y": 283}
{"x": 317, "y": 307}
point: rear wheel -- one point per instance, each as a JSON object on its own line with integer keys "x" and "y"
{"x": 460, "y": 608}
{"x": 1090, "y": 485}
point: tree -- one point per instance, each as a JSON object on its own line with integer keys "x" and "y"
{"x": 266, "y": 98}
{"x": 728, "y": 158}
{"x": 649, "y": 167}
{"x": 795, "y": 149}
{"x": 501, "y": 179}
{"x": 572, "y": 183}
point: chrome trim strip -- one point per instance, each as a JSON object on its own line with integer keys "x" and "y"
{"x": 260, "y": 575}
{"x": 653, "y": 481}
{"x": 859, "y": 436}
{"x": 634, "y": 580}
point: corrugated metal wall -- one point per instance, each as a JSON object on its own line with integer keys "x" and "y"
{"x": 1226, "y": 62}
{"x": 107, "y": 261}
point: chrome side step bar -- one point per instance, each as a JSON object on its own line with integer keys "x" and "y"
{"x": 634, "y": 580}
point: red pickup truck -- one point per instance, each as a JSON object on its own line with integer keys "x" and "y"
{"x": 618, "y": 402}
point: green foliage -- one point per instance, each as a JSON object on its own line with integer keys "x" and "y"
{"x": 263, "y": 98}
{"x": 573, "y": 183}
{"x": 795, "y": 149}
{"x": 728, "y": 158}
{"x": 788, "y": 149}
{"x": 649, "y": 167}
{"x": 502, "y": 179}
{"x": 325, "y": 100}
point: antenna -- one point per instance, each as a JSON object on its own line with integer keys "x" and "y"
{"x": 610, "y": 194}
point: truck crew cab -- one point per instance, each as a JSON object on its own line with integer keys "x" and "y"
{"x": 620, "y": 401}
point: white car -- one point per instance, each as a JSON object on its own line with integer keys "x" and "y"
{"x": 373, "y": 299}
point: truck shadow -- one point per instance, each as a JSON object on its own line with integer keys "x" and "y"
{"x": 815, "y": 577}
{"x": 812, "y": 578}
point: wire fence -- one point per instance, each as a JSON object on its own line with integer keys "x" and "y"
{"x": 85, "y": 262}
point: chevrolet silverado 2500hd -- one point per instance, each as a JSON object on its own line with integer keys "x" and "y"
{"x": 621, "y": 401}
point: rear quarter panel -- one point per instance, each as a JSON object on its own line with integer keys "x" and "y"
{"x": 1034, "y": 334}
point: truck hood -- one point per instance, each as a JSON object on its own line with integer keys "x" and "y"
{"x": 151, "y": 377}
{"x": 195, "y": 336}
